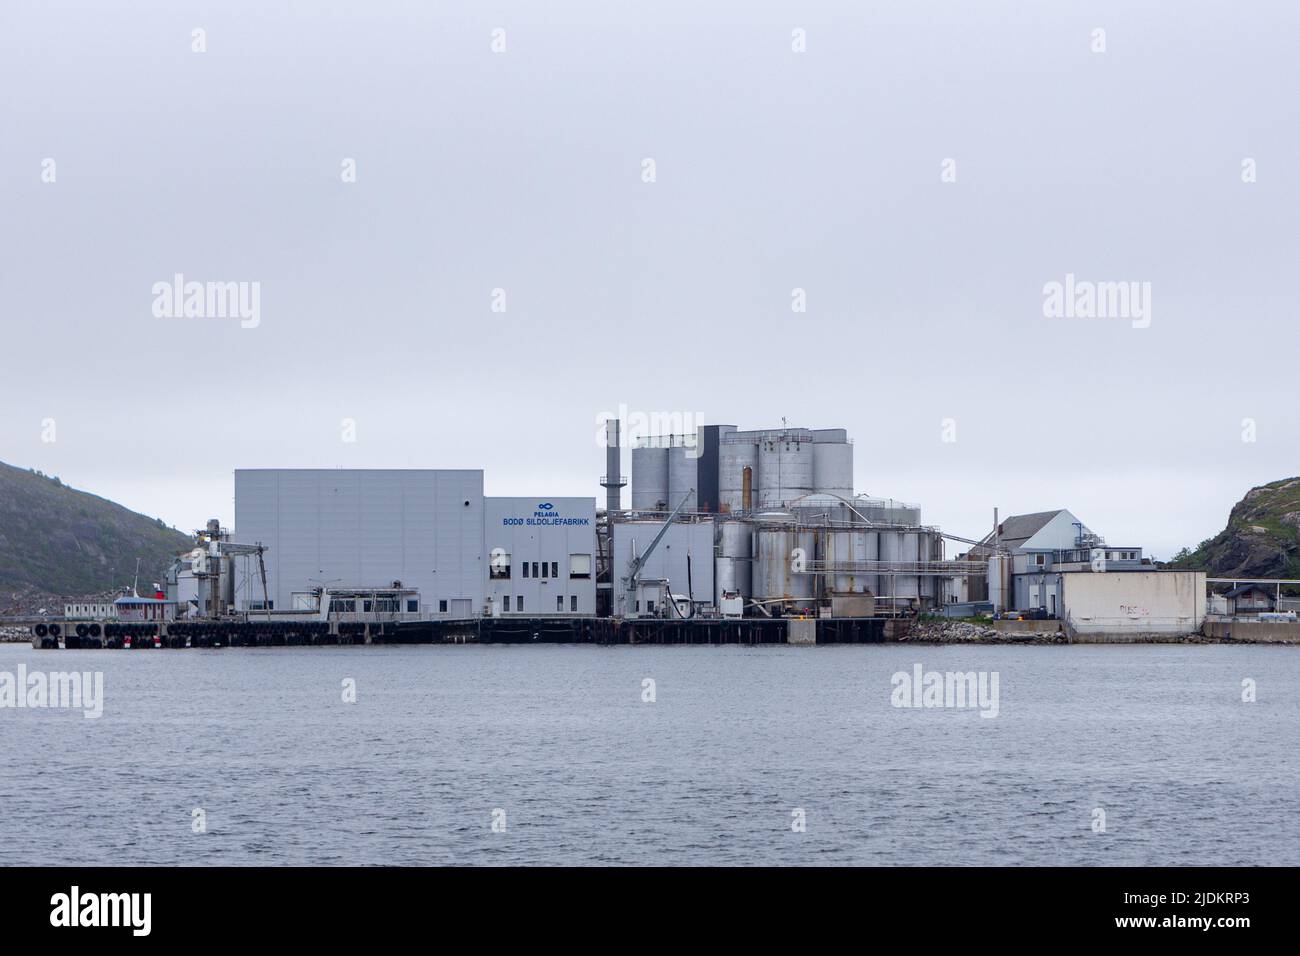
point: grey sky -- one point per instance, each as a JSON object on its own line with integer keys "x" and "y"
{"x": 775, "y": 170}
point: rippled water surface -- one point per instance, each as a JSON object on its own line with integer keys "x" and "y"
{"x": 710, "y": 772}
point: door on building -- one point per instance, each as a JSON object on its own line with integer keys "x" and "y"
{"x": 1051, "y": 603}
{"x": 1033, "y": 597}
{"x": 462, "y": 608}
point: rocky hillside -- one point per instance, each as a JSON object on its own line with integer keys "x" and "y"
{"x": 1262, "y": 538}
{"x": 58, "y": 543}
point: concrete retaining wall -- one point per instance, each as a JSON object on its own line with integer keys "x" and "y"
{"x": 1255, "y": 632}
{"x": 1026, "y": 627}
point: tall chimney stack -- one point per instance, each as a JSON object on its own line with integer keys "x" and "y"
{"x": 613, "y": 480}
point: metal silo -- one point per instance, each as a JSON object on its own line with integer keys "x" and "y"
{"x": 908, "y": 585}
{"x": 779, "y": 551}
{"x": 833, "y": 468}
{"x": 735, "y": 567}
{"x": 931, "y": 550}
{"x": 785, "y": 468}
{"x": 649, "y": 479}
{"x": 890, "y": 551}
{"x": 683, "y": 476}
{"x": 847, "y": 548}
{"x": 733, "y": 458}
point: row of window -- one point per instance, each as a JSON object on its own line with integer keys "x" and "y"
{"x": 559, "y": 603}
{"x": 1040, "y": 560}
{"x": 378, "y": 605}
{"x": 499, "y": 569}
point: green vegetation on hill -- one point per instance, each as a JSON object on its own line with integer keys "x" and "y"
{"x": 1262, "y": 538}
{"x": 58, "y": 541}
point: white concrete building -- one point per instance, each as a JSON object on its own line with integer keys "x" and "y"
{"x": 1133, "y": 602}
{"x": 541, "y": 556}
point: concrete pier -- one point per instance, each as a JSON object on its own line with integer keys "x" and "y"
{"x": 502, "y": 630}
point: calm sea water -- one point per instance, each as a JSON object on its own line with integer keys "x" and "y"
{"x": 736, "y": 740}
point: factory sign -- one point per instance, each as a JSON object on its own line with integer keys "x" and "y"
{"x": 544, "y": 515}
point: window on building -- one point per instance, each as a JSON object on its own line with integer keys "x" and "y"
{"x": 525, "y": 569}
{"x": 573, "y": 602}
{"x": 412, "y": 605}
{"x": 545, "y": 568}
{"x": 535, "y": 574}
{"x": 579, "y": 565}
{"x": 1040, "y": 559}
{"x": 559, "y": 602}
{"x": 649, "y": 607}
{"x": 442, "y": 607}
{"x": 519, "y": 602}
{"x": 499, "y": 566}
{"x": 555, "y": 569}
{"x": 505, "y": 603}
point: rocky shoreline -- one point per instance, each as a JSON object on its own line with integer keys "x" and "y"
{"x": 964, "y": 632}
{"x": 15, "y": 635}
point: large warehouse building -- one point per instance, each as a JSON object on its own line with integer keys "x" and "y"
{"x": 433, "y": 530}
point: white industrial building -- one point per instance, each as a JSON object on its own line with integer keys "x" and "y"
{"x": 431, "y": 529}
{"x": 1050, "y": 563}
{"x": 1035, "y": 550}
{"x": 541, "y": 556}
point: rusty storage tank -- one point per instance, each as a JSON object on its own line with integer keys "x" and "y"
{"x": 847, "y": 547}
{"x": 780, "y": 551}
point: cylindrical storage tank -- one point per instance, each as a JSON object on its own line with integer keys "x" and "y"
{"x": 856, "y": 548}
{"x": 649, "y": 479}
{"x": 833, "y": 468}
{"x": 931, "y": 585}
{"x": 775, "y": 561}
{"x": 890, "y": 552}
{"x": 733, "y": 459}
{"x": 735, "y": 559}
{"x": 785, "y": 469}
{"x": 909, "y": 585}
{"x": 683, "y": 476}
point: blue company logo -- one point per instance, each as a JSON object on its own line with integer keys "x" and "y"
{"x": 546, "y": 506}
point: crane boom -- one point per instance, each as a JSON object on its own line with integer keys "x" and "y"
{"x": 638, "y": 562}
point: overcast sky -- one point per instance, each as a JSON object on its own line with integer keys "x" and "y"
{"x": 774, "y": 170}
